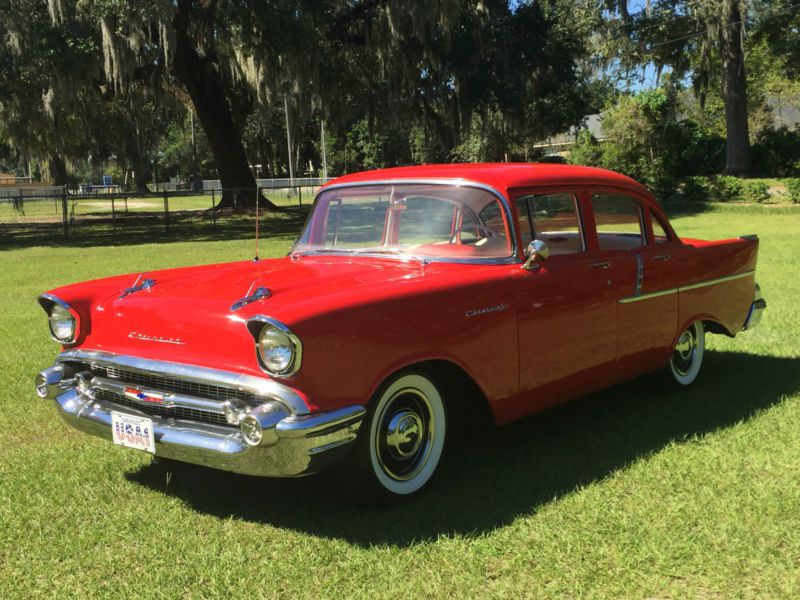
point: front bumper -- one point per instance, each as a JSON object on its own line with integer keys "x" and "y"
{"x": 301, "y": 444}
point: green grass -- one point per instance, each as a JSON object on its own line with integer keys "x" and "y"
{"x": 637, "y": 492}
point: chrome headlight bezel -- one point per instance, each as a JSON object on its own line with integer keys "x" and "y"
{"x": 52, "y": 304}
{"x": 259, "y": 326}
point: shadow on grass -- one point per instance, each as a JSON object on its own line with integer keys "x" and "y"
{"x": 150, "y": 228}
{"x": 506, "y": 472}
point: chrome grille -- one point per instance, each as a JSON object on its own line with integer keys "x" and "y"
{"x": 173, "y": 384}
{"x": 173, "y": 412}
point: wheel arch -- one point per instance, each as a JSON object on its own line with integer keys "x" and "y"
{"x": 710, "y": 324}
{"x": 467, "y": 404}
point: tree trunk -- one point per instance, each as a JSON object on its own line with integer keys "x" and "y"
{"x": 58, "y": 170}
{"x": 207, "y": 92}
{"x": 734, "y": 93}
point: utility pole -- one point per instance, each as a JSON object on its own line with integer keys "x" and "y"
{"x": 288, "y": 139}
{"x": 324, "y": 154}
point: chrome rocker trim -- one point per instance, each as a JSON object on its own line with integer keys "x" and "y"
{"x": 292, "y": 444}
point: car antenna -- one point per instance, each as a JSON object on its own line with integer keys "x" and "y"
{"x": 258, "y": 193}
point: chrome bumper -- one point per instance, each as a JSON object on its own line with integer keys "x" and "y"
{"x": 301, "y": 444}
{"x": 756, "y": 310}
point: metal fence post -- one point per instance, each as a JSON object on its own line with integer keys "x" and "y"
{"x": 166, "y": 210}
{"x": 64, "y": 211}
{"x": 300, "y": 196}
{"x": 113, "y": 213}
{"x": 214, "y": 208}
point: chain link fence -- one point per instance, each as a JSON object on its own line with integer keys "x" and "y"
{"x": 41, "y": 214}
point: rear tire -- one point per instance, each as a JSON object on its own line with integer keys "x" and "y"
{"x": 687, "y": 357}
{"x": 402, "y": 439}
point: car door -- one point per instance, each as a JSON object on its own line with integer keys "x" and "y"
{"x": 566, "y": 308}
{"x": 647, "y": 311}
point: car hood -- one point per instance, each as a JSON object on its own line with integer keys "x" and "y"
{"x": 187, "y": 312}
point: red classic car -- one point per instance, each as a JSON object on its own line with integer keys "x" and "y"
{"x": 410, "y": 294}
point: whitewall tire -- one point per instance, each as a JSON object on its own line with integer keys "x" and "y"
{"x": 404, "y": 435}
{"x": 687, "y": 357}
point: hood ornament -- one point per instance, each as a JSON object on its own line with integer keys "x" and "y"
{"x": 260, "y": 293}
{"x": 138, "y": 285}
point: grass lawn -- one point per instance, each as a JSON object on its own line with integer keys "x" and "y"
{"x": 638, "y": 492}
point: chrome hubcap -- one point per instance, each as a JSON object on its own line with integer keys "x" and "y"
{"x": 404, "y": 435}
{"x": 683, "y": 356}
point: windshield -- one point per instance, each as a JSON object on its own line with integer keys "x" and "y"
{"x": 437, "y": 221}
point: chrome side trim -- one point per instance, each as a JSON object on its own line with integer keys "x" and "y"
{"x": 648, "y": 296}
{"x": 457, "y": 181}
{"x": 639, "y": 274}
{"x": 702, "y": 284}
{"x": 254, "y": 326}
{"x": 263, "y": 387}
{"x": 685, "y": 288}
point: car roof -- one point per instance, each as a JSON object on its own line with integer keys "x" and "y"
{"x": 501, "y": 176}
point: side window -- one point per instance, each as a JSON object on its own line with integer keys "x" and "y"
{"x": 552, "y": 218}
{"x": 426, "y": 220}
{"x": 619, "y": 222}
{"x": 659, "y": 231}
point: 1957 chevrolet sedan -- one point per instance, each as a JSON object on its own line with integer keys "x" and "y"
{"x": 410, "y": 294}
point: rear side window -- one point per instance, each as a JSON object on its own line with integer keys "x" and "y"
{"x": 553, "y": 219}
{"x": 619, "y": 222}
{"x": 660, "y": 235}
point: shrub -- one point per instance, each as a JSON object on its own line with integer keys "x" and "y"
{"x": 696, "y": 188}
{"x": 793, "y": 187}
{"x": 776, "y": 152}
{"x": 725, "y": 187}
{"x": 755, "y": 191}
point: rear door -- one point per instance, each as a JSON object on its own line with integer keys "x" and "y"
{"x": 648, "y": 300}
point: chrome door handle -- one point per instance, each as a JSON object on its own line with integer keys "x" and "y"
{"x": 600, "y": 265}
{"x": 664, "y": 257}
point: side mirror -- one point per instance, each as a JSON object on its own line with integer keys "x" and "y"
{"x": 537, "y": 251}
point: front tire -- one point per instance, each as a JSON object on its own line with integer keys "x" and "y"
{"x": 687, "y": 357}
{"x": 403, "y": 437}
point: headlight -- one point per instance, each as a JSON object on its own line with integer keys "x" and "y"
{"x": 276, "y": 349}
{"x": 62, "y": 324}
{"x": 279, "y": 350}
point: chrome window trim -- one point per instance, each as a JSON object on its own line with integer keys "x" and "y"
{"x": 258, "y": 386}
{"x": 44, "y": 301}
{"x": 685, "y": 288}
{"x": 513, "y": 258}
{"x": 297, "y": 359}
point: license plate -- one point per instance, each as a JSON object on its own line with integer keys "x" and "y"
{"x": 133, "y": 432}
